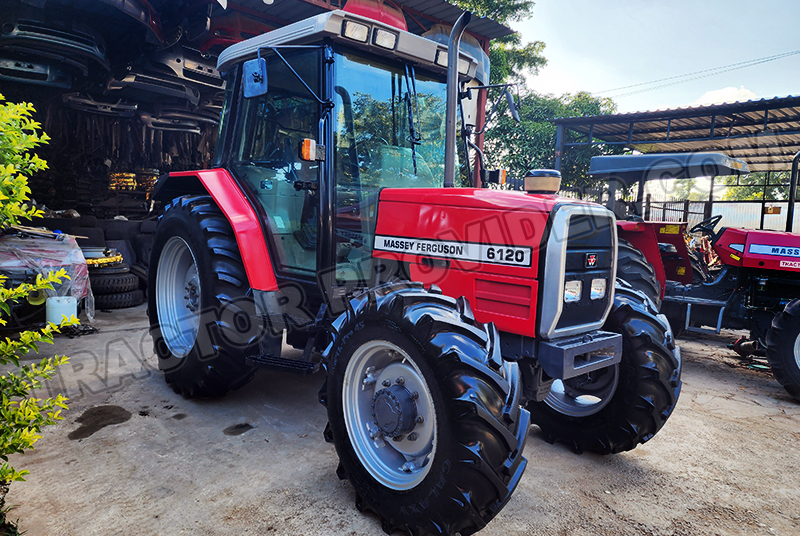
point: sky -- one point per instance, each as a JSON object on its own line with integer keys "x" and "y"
{"x": 602, "y": 45}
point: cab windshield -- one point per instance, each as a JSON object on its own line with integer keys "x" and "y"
{"x": 390, "y": 124}
{"x": 389, "y": 132}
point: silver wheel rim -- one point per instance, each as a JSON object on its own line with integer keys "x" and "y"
{"x": 584, "y": 395}
{"x": 178, "y": 302}
{"x": 797, "y": 351}
{"x": 397, "y": 464}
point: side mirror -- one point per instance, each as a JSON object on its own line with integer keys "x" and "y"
{"x": 512, "y": 107}
{"x": 255, "y": 78}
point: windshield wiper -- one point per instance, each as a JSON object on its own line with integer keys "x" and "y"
{"x": 413, "y": 136}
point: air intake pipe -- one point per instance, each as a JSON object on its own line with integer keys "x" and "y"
{"x": 451, "y": 116}
{"x": 792, "y": 188}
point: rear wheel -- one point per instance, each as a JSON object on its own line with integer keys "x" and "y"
{"x": 783, "y": 348}
{"x": 423, "y": 411}
{"x": 199, "y": 304}
{"x": 633, "y": 267}
{"x": 616, "y": 408}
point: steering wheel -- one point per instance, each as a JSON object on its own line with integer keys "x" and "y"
{"x": 707, "y": 226}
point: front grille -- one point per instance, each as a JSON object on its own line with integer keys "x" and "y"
{"x": 576, "y": 233}
{"x": 589, "y": 234}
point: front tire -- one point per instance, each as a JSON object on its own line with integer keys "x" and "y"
{"x": 199, "y": 305}
{"x": 432, "y": 372}
{"x": 783, "y": 348}
{"x": 617, "y": 408}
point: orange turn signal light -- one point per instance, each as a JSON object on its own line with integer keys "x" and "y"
{"x": 311, "y": 151}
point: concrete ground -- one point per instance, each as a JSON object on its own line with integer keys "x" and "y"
{"x": 255, "y": 462}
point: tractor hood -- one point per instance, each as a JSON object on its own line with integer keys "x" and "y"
{"x": 501, "y": 249}
{"x": 767, "y": 250}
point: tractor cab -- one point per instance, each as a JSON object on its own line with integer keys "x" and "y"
{"x": 346, "y": 107}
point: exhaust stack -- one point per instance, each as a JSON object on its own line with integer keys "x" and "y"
{"x": 451, "y": 115}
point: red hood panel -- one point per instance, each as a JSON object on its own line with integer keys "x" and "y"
{"x": 473, "y": 198}
{"x": 772, "y": 250}
{"x": 481, "y": 244}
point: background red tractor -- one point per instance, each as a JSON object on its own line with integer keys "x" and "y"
{"x": 331, "y": 220}
{"x": 756, "y": 284}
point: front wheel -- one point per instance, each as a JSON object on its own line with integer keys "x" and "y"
{"x": 783, "y": 348}
{"x": 616, "y": 408}
{"x": 423, "y": 411}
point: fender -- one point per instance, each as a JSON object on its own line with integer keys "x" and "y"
{"x": 642, "y": 235}
{"x": 237, "y": 209}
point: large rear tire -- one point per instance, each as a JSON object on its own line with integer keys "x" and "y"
{"x": 783, "y": 348}
{"x": 633, "y": 267}
{"x": 617, "y": 408}
{"x": 199, "y": 305}
{"x": 412, "y": 364}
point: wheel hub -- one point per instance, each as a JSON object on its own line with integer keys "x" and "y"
{"x": 394, "y": 410}
{"x": 192, "y": 295}
{"x": 389, "y": 414}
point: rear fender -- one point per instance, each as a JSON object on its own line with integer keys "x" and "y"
{"x": 237, "y": 209}
{"x": 642, "y": 236}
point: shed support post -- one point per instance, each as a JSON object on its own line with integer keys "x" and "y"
{"x": 559, "y": 146}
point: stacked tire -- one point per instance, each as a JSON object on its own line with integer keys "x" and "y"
{"x": 115, "y": 287}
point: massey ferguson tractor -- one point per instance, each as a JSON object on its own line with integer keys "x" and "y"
{"x": 757, "y": 284}
{"x": 447, "y": 318}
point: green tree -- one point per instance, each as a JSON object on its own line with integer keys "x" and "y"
{"x": 21, "y": 415}
{"x": 687, "y": 189}
{"x": 530, "y": 144}
{"x": 751, "y": 187}
{"x": 510, "y": 59}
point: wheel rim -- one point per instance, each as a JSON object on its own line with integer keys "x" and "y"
{"x": 381, "y": 375}
{"x": 584, "y": 395}
{"x": 178, "y": 302}
{"x": 797, "y": 351}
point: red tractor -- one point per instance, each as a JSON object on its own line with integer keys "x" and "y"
{"x": 756, "y": 285}
{"x": 446, "y": 318}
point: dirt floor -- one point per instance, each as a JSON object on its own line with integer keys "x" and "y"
{"x": 133, "y": 458}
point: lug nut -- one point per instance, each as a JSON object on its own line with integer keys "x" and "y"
{"x": 400, "y": 380}
{"x": 397, "y": 438}
{"x": 386, "y": 383}
{"x": 420, "y": 419}
{"x": 414, "y": 395}
{"x": 408, "y": 467}
{"x": 412, "y": 436}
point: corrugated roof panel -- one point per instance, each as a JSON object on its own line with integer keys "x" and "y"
{"x": 738, "y": 130}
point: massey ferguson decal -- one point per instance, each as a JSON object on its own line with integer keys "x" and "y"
{"x": 591, "y": 260}
{"x": 484, "y": 253}
{"x": 778, "y": 251}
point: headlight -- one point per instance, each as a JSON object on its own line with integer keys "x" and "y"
{"x": 441, "y": 60}
{"x": 572, "y": 290}
{"x": 356, "y": 31}
{"x": 598, "y": 289}
{"x": 384, "y": 39}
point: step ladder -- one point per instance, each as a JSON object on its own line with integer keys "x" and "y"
{"x": 689, "y": 302}
{"x": 295, "y": 366}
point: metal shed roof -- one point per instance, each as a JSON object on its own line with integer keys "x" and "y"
{"x": 420, "y": 13}
{"x": 764, "y": 133}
